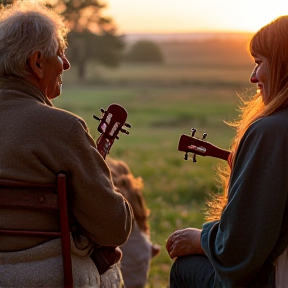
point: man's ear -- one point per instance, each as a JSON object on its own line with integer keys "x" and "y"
{"x": 36, "y": 64}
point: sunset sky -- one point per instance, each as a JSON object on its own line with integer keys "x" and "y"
{"x": 173, "y": 16}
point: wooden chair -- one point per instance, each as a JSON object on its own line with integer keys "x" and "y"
{"x": 15, "y": 194}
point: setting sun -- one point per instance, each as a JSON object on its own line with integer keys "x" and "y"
{"x": 182, "y": 16}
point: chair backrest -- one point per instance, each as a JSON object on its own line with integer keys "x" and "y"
{"x": 15, "y": 194}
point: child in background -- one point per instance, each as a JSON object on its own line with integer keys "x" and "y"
{"x": 138, "y": 250}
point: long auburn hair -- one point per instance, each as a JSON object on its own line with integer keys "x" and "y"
{"x": 271, "y": 41}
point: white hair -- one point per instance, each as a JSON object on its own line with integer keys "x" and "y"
{"x": 26, "y": 28}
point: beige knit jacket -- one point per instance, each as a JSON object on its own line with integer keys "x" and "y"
{"x": 37, "y": 141}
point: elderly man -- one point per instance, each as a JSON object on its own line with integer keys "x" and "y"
{"x": 37, "y": 142}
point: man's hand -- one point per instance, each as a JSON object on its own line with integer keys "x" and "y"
{"x": 184, "y": 242}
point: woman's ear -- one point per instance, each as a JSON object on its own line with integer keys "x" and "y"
{"x": 36, "y": 64}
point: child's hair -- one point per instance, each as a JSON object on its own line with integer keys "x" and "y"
{"x": 131, "y": 188}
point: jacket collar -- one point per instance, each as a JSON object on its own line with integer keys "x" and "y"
{"x": 21, "y": 85}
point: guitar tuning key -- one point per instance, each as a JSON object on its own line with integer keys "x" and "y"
{"x": 124, "y": 131}
{"x": 194, "y": 158}
{"x": 96, "y": 117}
{"x": 186, "y": 156}
{"x": 127, "y": 125}
{"x": 193, "y": 131}
{"x": 204, "y": 136}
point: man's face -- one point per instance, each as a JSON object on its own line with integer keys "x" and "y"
{"x": 52, "y": 80}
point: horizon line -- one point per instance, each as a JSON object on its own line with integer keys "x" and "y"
{"x": 187, "y": 33}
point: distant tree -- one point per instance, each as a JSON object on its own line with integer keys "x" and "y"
{"x": 5, "y": 2}
{"x": 83, "y": 14}
{"x": 92, "y": 36}
{"x": 83, "y": 46}
{"x": 79, "y": 14}
{"x": 145, "y": 51}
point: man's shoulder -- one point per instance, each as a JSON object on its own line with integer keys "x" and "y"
{"x": 61, "y": 116}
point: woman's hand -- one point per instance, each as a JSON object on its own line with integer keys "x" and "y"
{"x": 184, "y": 242}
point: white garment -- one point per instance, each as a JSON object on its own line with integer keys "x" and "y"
{"x": 281, "y": 270}
{"x": 137, "y": 254}
{"x": 112, "y": 278}
{"x": 41, "y": 266}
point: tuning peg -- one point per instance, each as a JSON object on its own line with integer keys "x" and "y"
{"x": 204, "y": 136}
{"x": 186, "y": 156}
{"x": 194, "y": 158}
{"x": 193, "y": 131}
{"x": 96, "y": 117}
{"x": 127, "y": 125}
{"x": 124, "y": 131}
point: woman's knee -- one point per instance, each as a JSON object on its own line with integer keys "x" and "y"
{"x": 191, "y": 271}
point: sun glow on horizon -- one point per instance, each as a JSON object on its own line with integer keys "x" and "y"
{"x": 184, "y": 16}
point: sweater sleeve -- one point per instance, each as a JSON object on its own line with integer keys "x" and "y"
{"x": 103, "y": 213}
{"x": 239, "y": 244}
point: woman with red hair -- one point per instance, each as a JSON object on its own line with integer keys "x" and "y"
{"x": 244, "y": 244}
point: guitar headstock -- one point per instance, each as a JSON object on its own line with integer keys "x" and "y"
{"x": 201, "y": 147}
{"x": 111, "y": 123}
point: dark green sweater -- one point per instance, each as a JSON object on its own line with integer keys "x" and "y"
{"x": 253, "y": 229}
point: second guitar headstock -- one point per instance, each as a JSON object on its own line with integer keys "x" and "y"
{"x": 191, "y": 144}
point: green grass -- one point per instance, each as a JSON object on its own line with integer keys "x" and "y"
{"x": 174, "y": 189}
{"x": 164, "y": 102}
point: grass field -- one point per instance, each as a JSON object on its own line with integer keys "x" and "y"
{"x": 163, "y": 102}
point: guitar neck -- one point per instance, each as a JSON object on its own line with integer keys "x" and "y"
{"x": 210, "y": 150}
{"x": 103, "y": 146}
{"x": 220, "y": 153}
